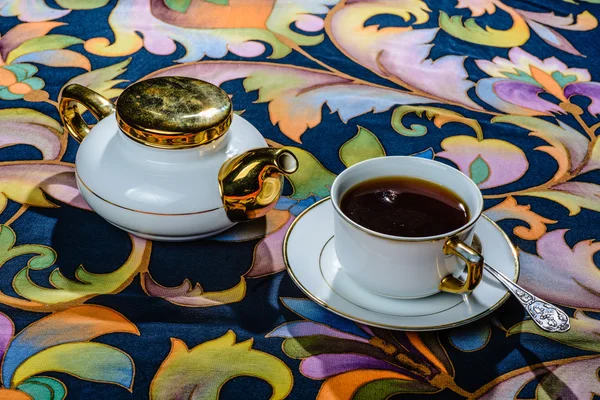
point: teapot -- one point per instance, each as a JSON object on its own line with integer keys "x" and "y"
{"x": 171, "y": 161}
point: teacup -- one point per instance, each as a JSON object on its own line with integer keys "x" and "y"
{"x": 408, "y": 267}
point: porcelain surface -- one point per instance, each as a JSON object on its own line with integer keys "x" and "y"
{"x": 156, "y": 193}
{"x": 314, "y": 266}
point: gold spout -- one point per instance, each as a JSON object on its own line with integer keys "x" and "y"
{"x": 251, "y": 183}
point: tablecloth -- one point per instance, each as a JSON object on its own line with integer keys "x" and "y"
{"x": 504, "y": 90}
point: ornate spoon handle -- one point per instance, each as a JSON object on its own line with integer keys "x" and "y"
{"x": 547, "y": 316}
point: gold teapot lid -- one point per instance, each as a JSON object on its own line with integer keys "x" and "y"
{"x": 174, "y": 112}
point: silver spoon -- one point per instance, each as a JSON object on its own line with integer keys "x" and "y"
{"x": 547, "y": 316}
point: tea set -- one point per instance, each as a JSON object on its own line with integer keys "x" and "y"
{"x": 171, "y": 161}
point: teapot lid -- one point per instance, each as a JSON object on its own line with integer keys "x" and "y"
{"x": 174, "y": 112}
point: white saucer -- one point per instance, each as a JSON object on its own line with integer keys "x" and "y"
{"x": 312, "y": 263}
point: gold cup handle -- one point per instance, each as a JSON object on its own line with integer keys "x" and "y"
{"x": 474, "y": 262}
{"x": 74, "y": 94}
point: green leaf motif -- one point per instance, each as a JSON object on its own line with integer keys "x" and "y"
{"x": 584, "y": 333}
{"x": 479, "y": 170}
{"x": 22, "y": 70}
{"x": 183, "y": 5}
{"x": 439, "y": 116}
{"x": 178, "y": 5}
{"x": 363, "y": 146}
{"x": 311, "y": 178}
{"x": 385, "y": 388}
{"x": 563, "y": 80}
{"x": 199, "y": 373}
{"x": 44, "y": 256}
{"x": 48, "y": 42}
{"x": 87, "y": 284}
{"x": 415, "y": 130}
{"x": 307, "y": 346}
{"x": 43, "y": 388}
{"x": 517, "y": 35}
{"x": 81, "y": 5}
{"x": 522, "y": 76}
{"x": 293, "y": 347}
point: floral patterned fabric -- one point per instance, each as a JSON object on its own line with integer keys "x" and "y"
{"x": 507, "y": 91}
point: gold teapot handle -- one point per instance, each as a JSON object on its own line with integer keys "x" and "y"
{"x": 75, "y": 94}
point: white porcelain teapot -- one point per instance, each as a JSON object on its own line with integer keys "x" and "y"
{"x": 171, "y": 161}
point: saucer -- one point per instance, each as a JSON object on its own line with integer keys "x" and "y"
{"x": 312, "y": 263}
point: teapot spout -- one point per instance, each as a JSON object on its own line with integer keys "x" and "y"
{"x": 251, "y": 183}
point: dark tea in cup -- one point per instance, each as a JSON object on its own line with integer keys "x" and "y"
{"x": 404, "y": 206}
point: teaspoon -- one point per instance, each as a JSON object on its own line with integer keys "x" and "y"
{"x": 547, "y": 316}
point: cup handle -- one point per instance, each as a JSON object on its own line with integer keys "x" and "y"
{"x": 474, "y": 262}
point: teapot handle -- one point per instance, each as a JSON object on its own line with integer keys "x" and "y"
{"x": 75, "y": 94}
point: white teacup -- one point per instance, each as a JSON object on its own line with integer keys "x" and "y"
{"x": 408, "y": 267}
